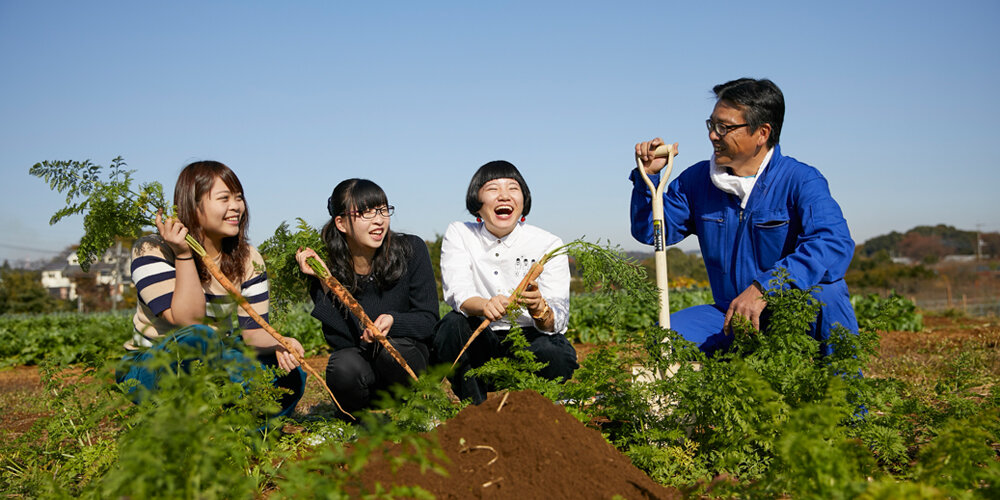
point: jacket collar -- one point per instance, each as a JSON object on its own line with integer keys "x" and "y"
{"x": 760, "y": 187}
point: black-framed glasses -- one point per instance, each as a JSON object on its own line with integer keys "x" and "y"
{"x": 372, "y": 212}
{"x": 721, "y": 129}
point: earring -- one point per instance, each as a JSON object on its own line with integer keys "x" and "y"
{"x": 522, "y": 218}
{"x": 478, "y": 219}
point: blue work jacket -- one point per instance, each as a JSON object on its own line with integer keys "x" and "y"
{"x": 790, "y": 221}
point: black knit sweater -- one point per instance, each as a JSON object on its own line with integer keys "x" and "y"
{"x": 412, "y": 301}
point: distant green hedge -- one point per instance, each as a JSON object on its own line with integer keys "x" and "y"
{"x": 598, "y": 317}
{"x": 26, "y": 339}
{"x": 66, "y": 338}
{"x": 893, "y": 312}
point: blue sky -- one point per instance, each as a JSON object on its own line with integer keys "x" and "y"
{"x": 895, "y": 102}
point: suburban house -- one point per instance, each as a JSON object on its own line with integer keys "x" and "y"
{"x": 59, "y": 275}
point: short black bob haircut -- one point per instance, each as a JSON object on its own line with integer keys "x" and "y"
{"x": 498, "y": 169}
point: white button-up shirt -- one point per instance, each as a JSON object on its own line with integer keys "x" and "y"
{"x": 475, "y": 263}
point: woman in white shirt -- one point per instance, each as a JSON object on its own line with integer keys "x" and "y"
{"x": 481, "y": 264}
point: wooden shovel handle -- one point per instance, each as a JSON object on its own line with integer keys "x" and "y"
{"x": 667, "y": 151}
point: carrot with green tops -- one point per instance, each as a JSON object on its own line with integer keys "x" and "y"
{"x": 598, "y": 265}
{"x": 533, "y": 273}
{"x": 345, "y": 297}
{"x": 112, "y": 209}
{"x": 216, "y": 273}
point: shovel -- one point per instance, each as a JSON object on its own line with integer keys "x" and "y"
{"x": 667, "y": 151}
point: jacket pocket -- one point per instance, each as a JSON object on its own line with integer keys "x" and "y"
{"x": 712, "y": 235}
{"x": 769, "y": 233}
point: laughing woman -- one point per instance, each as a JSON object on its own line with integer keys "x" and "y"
{"x": 176, "y": 294}
{"x": 390, "y": 275}
{"x": 481, "y": 264}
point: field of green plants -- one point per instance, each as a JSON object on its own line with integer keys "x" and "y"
{"x": 917, "y": 416}
{"x": 770, "y": 420}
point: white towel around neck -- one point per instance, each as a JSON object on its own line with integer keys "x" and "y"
{"x": 734, "y": 184}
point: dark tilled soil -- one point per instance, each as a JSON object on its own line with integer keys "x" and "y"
{"x": 529, "y": 449}
{"x": 20, "y": 378}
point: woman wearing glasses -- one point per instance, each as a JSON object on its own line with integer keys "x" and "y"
{"x": 390, "y": 275}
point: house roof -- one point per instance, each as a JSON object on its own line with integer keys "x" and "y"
{"x": 61, "y": 263}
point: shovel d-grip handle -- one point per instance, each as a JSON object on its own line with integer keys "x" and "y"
{"x": 667, "y": 151}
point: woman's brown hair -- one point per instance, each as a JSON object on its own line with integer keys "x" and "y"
{"x": 196, "y": 181}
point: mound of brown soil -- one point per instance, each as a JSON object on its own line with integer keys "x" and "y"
{"x": 529, "y": 449}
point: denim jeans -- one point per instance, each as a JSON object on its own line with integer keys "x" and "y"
{"x": 208, "y": 343}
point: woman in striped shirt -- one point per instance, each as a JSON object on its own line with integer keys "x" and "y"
{"x": 176, "y": 291}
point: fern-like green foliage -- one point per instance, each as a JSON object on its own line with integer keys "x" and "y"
{"x": 606, "y": 268}
{"x": 785, "y": 354}
{"x": 962, "y": 457}
{"x": 519, "y": 371}
{"x": 288, "y": 284}
{"x": 72, "y": 445}
{"x": 781, "y": 420}
{"x": 196, "y": 435}
{"x": 669, "y": 464}
{"x": 599, "y": 317}
{"x": 111, "y": 208}
{"x": 62, "y": 338}
{"x": 297, "y": 321}
{"x": 733, "y": 408}
{"x": 422, "y": 405}
{"x": 814, "y": 457}
{"x": 603, "y": 386}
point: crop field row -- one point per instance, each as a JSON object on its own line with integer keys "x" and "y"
{"x": 772, "y": 419}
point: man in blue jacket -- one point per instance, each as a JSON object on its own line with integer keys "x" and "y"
{"x": 754, "y": 212}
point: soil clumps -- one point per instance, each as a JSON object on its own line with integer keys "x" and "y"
{"x": 530, "y": 449}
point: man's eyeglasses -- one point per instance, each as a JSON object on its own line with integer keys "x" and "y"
{"x": 721, "y": 129}
{"x": 372, "y": 212}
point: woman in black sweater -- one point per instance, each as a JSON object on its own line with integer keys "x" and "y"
{"x": 390, "y": 275}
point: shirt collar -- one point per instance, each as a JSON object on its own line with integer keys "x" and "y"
{"x": 507, "y": 241}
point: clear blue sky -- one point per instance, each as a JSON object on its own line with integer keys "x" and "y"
{"x": 897, "y": 103}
